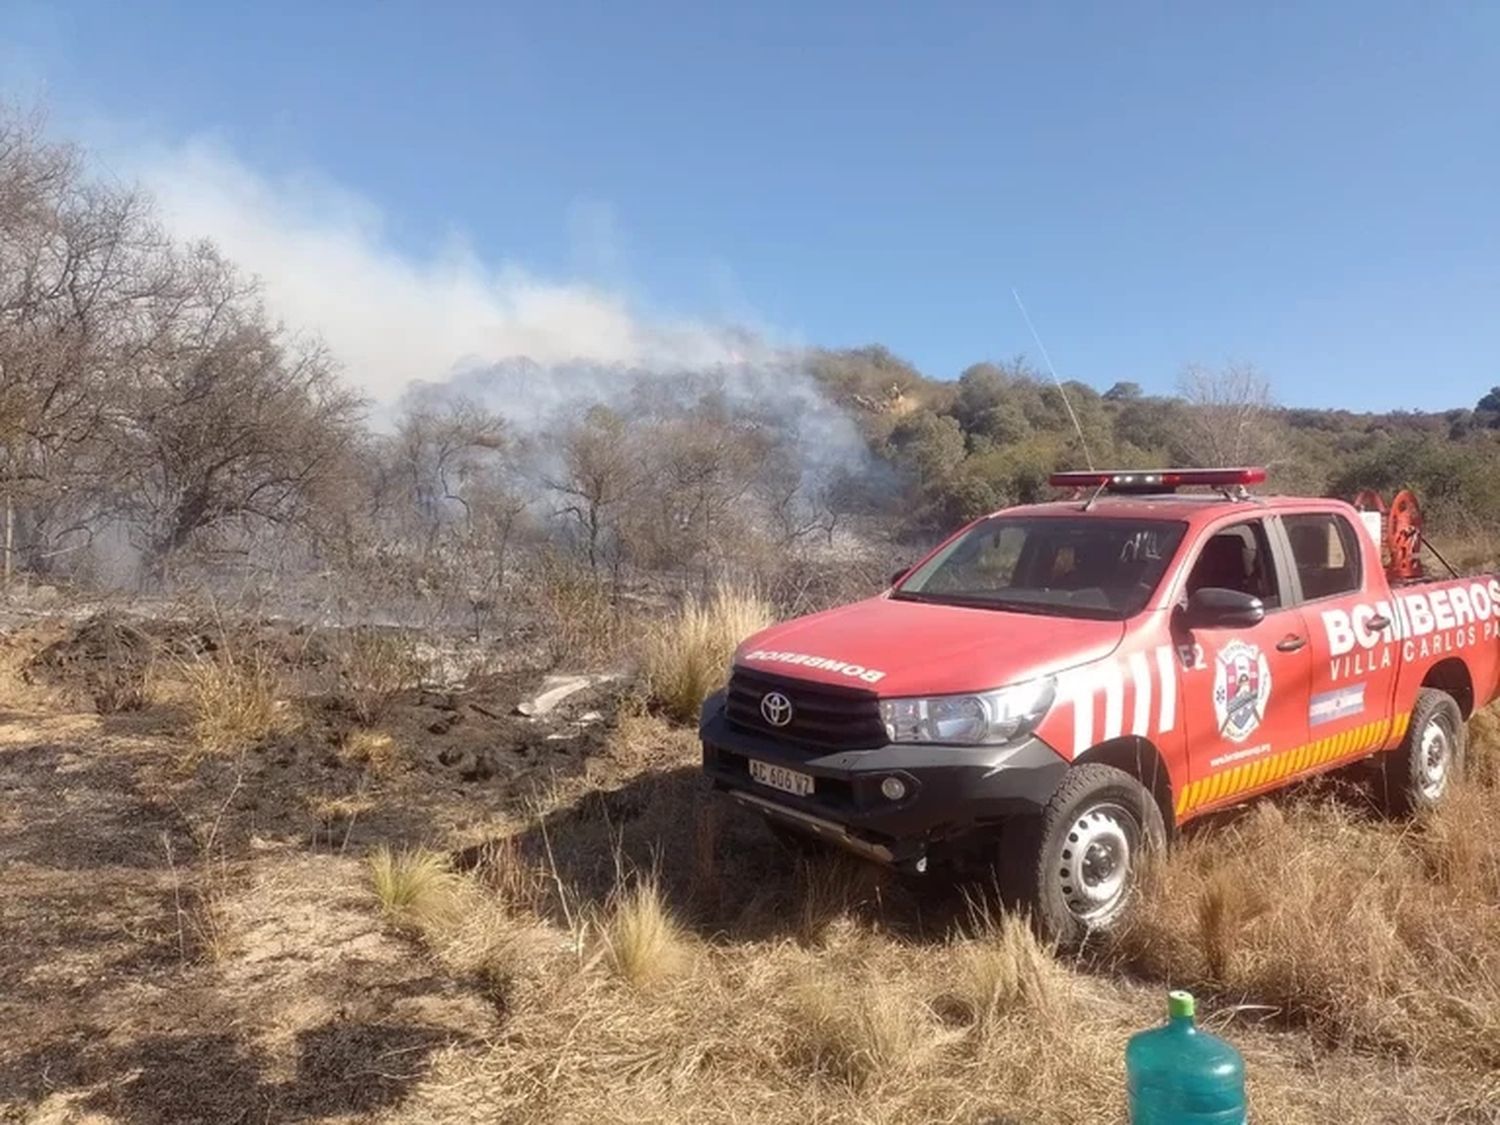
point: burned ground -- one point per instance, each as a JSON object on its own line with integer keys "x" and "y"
{"x": 193, "y": 937}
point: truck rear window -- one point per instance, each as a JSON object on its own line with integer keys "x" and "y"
{"x": 1093, "y": 566}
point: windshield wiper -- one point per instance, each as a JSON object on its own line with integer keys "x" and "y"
{"x": 971, "y": 602}
{"x": 1005, "y": 605}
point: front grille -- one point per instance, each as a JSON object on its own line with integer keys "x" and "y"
{"x": 822, "y": 716}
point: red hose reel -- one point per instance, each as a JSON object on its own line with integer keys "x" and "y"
{"x": 1399, "y": 534}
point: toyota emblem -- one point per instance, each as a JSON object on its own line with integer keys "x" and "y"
{"x": 776, "y": 708}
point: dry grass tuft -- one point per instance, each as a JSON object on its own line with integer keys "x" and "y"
{"x": 858, "y": 1031}
{"x": 834, "y": 890}
{"x": 213, "y": 938}
{"x": 340, "y": 809}
{"x": 687, "y": 655}
{"x": 1483, "y": 765}
{"x": 518, "y": 886}
{"x": 644, "y": 941}
{"x": 1457, "y": 852}
{"x": 374, "y": 749}
{"x": 1005, "y": 970}
{"x": 1366, "y": 930}
{"x": 233, "y": 701}
{"x": 418, "y": 887}
{"x": 821, "y": 992}
{"x": 579, "y": 613}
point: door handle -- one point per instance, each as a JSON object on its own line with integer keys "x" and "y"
{"x": 1290, "y": 643}
{"x": 1378, "y": 622}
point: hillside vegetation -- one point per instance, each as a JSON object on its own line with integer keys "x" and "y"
{"x": 158, "y": 430}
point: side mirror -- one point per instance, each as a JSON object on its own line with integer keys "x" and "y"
{"x": 900, "y": 574}
{"x": 1215, "y": 608}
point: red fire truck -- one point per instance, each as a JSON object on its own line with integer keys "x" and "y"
{"x": 1058, "y": 687}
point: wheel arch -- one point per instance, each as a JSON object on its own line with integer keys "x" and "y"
{"x": 1140, "y": 758}
{"x": 1451, "y": 675}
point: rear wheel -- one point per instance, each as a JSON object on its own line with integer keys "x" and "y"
{"x": 1076, "y": 866}
{"x": 1418, "y": 773}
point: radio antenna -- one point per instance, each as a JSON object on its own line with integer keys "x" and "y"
{"x": 1041, "y": 347}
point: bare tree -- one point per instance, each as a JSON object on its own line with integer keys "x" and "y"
{"x": 444, "y": 447}
{"x": 84, "y": 273}
{"x": 458, "y": 481}
{"x": 598, "y": 473}
{"x": 230, "y": 420}
{"x": 1230, "y": 416}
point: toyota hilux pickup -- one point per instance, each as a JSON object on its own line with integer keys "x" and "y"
{"x": 1057, "y": 688}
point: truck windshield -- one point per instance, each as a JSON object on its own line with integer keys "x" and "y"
{"x": 1092, "y": 566}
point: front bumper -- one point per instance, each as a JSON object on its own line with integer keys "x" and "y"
{"x": 951, "y": 790}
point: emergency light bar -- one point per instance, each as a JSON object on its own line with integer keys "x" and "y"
{"x": 1157, "y": 480}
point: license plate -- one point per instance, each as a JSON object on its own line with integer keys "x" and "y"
{"x": 779, "y": 777}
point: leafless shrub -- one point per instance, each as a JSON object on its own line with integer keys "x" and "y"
{"x": 375, "y": 666}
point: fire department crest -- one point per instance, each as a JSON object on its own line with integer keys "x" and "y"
{"x": 1242, "y": 685}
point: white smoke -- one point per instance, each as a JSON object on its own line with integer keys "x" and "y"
{"x": 327, "y": 267}
{"x": 450, "y": 323}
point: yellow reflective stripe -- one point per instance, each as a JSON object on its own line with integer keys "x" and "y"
{"x": 1236, "y": 779}
{"x": 1252, "y": 775}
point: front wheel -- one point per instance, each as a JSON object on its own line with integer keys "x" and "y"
{"x": 1418, "y": 773}
{"x": 1077, "y": 865}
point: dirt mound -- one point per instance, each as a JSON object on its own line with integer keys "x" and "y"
{"x": 107, "y": 659}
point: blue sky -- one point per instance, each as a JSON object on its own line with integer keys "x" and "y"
{"x": 1311, "y": 188}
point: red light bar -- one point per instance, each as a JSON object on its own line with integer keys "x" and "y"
{"x": 1143, "y": 480}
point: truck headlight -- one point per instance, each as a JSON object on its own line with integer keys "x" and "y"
{"x": 988, "y": 718}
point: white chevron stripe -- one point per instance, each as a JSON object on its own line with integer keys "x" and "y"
{"x": 1166, "y": 667}
{"x": 1114, "y": 698}
{"x": 1081, "y": 689}
{"x": 1140, "y": 675}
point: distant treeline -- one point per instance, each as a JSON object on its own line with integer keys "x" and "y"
{"x": 991, "y": 437}
{"x": 158, "y": 426}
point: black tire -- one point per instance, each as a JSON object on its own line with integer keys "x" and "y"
{"x": 1418, "y": 773}
{"x": 1075, "y": 866}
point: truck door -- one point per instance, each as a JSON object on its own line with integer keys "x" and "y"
{"x": 1350, "y": 624}
{"x": 1244, "y": 689}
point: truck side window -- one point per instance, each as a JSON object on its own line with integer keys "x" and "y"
{"x": 1326, "y": 553}
{"x": 1237, "y": 558}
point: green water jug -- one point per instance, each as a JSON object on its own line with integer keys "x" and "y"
{"x": 1179, "y": 1074}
